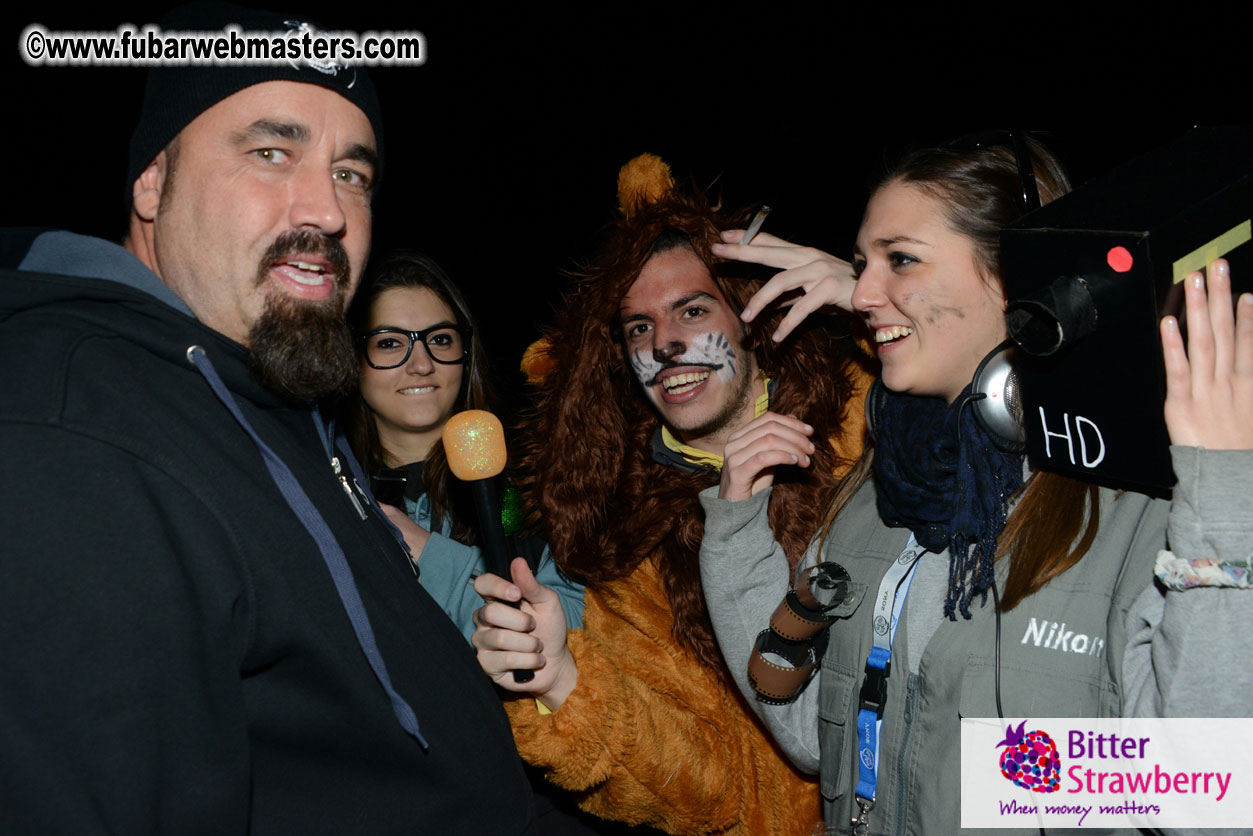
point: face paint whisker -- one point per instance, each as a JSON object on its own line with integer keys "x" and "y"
{"x": 646, "y": 368}
{"x": 710, "y": 349}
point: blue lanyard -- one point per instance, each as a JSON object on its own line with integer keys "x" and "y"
{"x": 889, "y": 603}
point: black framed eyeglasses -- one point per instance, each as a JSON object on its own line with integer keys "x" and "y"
{"x": 387, "y": 348}
{"x": 1017, "y": 141}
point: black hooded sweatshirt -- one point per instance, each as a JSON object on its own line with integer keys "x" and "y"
{"x": 176, "y": 658}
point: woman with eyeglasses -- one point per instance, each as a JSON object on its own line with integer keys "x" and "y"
{"x": 422, "y": 361}
{"x": 976, "y": 586}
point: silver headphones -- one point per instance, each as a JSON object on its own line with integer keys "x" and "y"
{"x": 994, "y": 398}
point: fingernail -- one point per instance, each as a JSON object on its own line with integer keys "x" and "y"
{"x": 795, "y": 458}
{"x": 809, "y": 428}
{"x": 777, "y": 336}
{"x": 1246, "y": 298}
{"x": 746, "y": 314}
{"x": 1172, "y": 324}
{"x": 1221, "y": 267}
{"x": 1198, "y": 281}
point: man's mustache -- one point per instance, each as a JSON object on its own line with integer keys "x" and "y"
{"x": 713, "y": 367}
{"x": 314, "y": 243}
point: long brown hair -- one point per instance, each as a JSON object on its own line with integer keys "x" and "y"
{"x": 587, "y": 462}
{"x": 410, "y": 269}
{"x": 1056, "y": 518}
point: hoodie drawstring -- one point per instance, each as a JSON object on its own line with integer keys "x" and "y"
{"x": 332, "y": 553}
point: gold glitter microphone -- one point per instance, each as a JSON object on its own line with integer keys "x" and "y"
{"x": 474, "y": 443}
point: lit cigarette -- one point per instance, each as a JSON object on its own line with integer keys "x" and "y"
{"x": 755, "y": 226}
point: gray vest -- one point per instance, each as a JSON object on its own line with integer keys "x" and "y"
{"x": 1061, "y": 656}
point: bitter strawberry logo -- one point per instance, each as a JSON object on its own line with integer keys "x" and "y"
{"x": 1030, "y": 759}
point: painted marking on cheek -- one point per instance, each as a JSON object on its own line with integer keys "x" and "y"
{"x": 645, "y": 368}
{"x": 714, "y": 350}
{"x": 917, "y": 301}
{"x": 938, "y": 312}
{"x": 728, "y": 365}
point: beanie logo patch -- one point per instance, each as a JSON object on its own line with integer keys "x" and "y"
{"x": 298, "y": 29}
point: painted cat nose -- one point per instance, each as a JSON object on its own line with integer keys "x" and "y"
{"x": 662, "y": 353}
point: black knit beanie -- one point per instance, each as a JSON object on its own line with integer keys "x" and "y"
{"x": 175, "y": 95}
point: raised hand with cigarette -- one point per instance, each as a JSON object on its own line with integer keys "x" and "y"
{"x": 823, "y": 280}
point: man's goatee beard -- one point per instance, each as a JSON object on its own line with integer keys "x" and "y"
{"x": 303, "y": 351}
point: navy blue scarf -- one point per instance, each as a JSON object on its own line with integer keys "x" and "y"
{"x": 939, "y": 475}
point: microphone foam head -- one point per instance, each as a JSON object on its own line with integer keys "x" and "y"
{"x": 474, "y": 442}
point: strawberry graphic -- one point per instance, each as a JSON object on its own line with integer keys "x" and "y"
{"x": 1030, "y": 759}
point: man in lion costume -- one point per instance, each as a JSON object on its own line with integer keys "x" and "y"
{"x": 646, "y": 373}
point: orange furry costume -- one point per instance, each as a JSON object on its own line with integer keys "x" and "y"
{"x": 655, "y": 731}
{"x": 650, "y": 736}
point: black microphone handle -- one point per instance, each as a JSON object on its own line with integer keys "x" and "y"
{"x": 491, "y": 532}
{"x": 492, "y": 536}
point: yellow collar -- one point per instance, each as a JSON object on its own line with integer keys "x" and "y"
{"x": 703, "y": 457}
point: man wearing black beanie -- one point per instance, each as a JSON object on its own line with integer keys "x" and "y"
{"x": 209, "y": 626}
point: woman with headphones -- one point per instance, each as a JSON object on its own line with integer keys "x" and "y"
{"x": 967, "y": 584}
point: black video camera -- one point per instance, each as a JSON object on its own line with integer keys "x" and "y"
{"x": 1088, "y": 279}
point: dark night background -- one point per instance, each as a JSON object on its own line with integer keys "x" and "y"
{"x": 503, "y": 150}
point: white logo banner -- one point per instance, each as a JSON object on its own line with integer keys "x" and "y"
{"x": 1074, "y": 772}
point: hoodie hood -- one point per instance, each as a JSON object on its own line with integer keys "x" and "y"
{"x": 68, "y": 254}
{"x": 102, "y": 284}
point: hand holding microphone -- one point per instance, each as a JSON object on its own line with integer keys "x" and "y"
{"x": 474, "y": 443}
{"x": 532, "y": 638}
